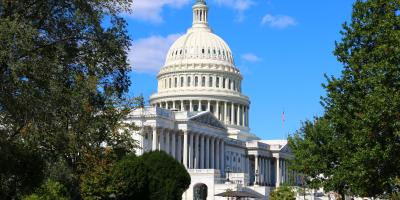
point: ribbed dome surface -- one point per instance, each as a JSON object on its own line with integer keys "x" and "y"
{"x": 201, "y": 45}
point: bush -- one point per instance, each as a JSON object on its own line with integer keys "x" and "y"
{"x": 50, "y": 190}
{"x": 282, "y": 193}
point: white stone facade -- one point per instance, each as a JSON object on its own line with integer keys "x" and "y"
{"x": 201, "y": 118}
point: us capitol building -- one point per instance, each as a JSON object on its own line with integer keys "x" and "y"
{"x": 201, "y": 118}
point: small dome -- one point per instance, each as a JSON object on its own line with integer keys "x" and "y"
{"x": 200, "y": 45}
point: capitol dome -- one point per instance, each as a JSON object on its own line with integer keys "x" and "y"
{"x": 199, "y": 45}
{"x": 200, "y": 75}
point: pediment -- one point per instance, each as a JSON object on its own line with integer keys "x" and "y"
{"x": 286, "y": 149}
{"x": 207, "y": 118}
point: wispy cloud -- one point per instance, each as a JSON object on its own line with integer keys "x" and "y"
{"x": 250, "y": 57}
{"x": 240, "y": 6}
{"x": 151, "y": 10}
{"x": 278, "y": 21}
{"x": 147, "y": 55}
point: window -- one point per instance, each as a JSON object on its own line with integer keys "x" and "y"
{"x": 223, "y": 83}
{"x": 165, "y": 83}
{"x": 176, "y": 82}
{"x": 202, "y": 51}
{"x": 210, "y": 82}
{"x": 234, "y": 85}
{"x": 217, "y": 82}
{"x": 229, "y": 85}
{"x": 182, "y": 81}
{"x": 196, "y": 81}
{"x": 188, "y": 81}
{"x": 169, "y": 84}
{"x": 203, "y": 81}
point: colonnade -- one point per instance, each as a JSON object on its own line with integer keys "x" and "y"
{"x": 228, "y": 112}
{"x": 201, "y": 81}
{"x": 285, "y": 175}
{"x": 263, "y": 170}
{"x": 193, "y": 149}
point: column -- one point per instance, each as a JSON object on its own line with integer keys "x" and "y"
{"x": 207, "y": 152}
{"x": 222, "y": 157}
{"x": 265, "y": 171}
{"x": 226, "y": 112}
{"x": 185, "y": 148}
{"x": 179, "y": 150}
{"x": 199, "y": 109}
{"x": 278, "y": 173}
{"x": 191, "y": 151}
{"x": 217, "y": 115}
{"x": 208, "y": 106}
{"x": 248, "y": 115}
{"x": 243, "y": 115}
{"x": 202, "y": 163}
{"x": 261, "y": 171}
{"x": 283, "y": 171}
{"x": 182, "y": 106}
{"x": 212, "y": 141}
{"x": 232, "y": 113}
{"x": 167, "y": 143}
{"x": 161, "y": 142}
{"x": 154, "y": 145}
{"x": 238, "y": 115}
{"x": 191, "y": 105}
{"x": 173, "y": 145}
{"x": 217, "y": 153}
{"x": 256, "y": 170}
{"x": 197, "y": 152}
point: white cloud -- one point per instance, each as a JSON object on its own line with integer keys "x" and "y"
{"x": 148, "y": 54}
{"x": 278, "y": 21}
{"x": 238, "y": 5}
{"x": 150, "y": 10}
{"x": 249, "y": 57}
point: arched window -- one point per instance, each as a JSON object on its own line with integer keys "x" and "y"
{"x": 217, "y": 82}
{"x": 169, "y": 84}
{"x": 165, "y": 83}
{"x": 176, "y": 82}
{"x": 210, "y": 81}
{"x": 196, "y": 81}
{"x": 182, "y": 79}
{"x": 203, "y": 81}
{"x": 188, "y": 81}
{"x": 223, "y": 82}
{"x": 229, "y": 85}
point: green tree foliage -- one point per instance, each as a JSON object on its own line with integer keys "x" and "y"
{"x": 168, "y": 179}
{"x": 50, "y": 190}
{"x": 152, "y": 176}
{"x": 282, "y": 193}
{"x": 21, "y": 170}
{"x": 63, "y": 79}
{"x": 358, "y": 148}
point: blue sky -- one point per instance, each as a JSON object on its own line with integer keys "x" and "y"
{"x": 282, "y": 47}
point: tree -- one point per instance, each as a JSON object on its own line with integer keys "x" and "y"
{"x": 21, "y": 170}
{"x": 358, "y": 149}
{"x": 152, "y": 176}
{"x": 282, "y": 193}
{"x": 64, "y": 78}
{"x": 168, "y": 179}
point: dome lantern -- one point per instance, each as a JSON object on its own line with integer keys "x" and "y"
{"x": 200, "y": 14}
